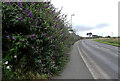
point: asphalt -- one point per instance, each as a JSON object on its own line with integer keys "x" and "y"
{"x": 76, "y": 68}
{"x": 105, "y": 56}
{"x": 91, "y": 60}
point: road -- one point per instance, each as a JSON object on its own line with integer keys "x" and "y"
{"x": 91, "y": 60}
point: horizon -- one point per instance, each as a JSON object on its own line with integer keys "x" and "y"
{"x": 90, "y": 16}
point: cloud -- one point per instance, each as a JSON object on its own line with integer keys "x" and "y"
{"x": 82, "y": 28}
{"x": 79, "y": 28}
{"x": 101, "y": 25}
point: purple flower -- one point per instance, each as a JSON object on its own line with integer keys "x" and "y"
{"x": 68, "y": 53}
{"x": 33, "y": 38}
{"x": 52, "y": 57}
{"x": 44, "y": 10}
{"x": 44, "y": 2}
{"x": 22, "y": 40}
{"x": 30, "y": 14}
{"x": 20, "y": 19}
{"x": 69, "y": 27}
{"x": 36, "y": 19}
{"x": 53, "y": 62}
{"x": 53, "y": 11}
{"x": 51, "y": 73}
{"x": 47, "y": 70}
{"x": 32, "y": 47}
{"x": 7, "y": 37}
{"x": 25, "y": 10}
{"x": 55, "y": 25}
{"x": 54, "y": 21}
{"x": 44, "y": 34}
{"x": 8, "y": 3}
{"x": 53, "y": 31}
{"x": 40, "y": 62}
{"x": 48, "y": 11}
{"x": 13, "y": 37}
{"x": 33, "y": 35}
{"x": 40, "y": 69}
{"x": 53, "y": 45}
{"x": 51, "y": 7}
{"x": 60, "y": 26}
{"x": 29, "y": 3}
{"x": 58, "y": 17}
{"x": 51, "y": 14}
{"x": 51, "y": 37}
{"x": 46, "y": 6}
{"x": 20, "y": 4}
{"x": 43, "y": 65}
{"x": 36, "y": 25}
{"x": 33, "y": 2}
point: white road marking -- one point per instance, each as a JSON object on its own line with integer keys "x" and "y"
{"x": 95, "y": 70}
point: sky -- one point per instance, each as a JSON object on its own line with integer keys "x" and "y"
{"x": 100, "y": 17}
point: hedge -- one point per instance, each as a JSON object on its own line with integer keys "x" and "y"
{"x": 35, "y": 40}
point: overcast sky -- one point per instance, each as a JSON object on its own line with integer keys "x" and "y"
{"x": 97, "y": 16}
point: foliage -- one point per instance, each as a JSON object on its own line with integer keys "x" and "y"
{"x": 35, "y": 40}
{"x": 109, "y": 41}
{"x": 89, "y": 34}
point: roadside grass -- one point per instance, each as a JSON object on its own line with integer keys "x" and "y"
{"x": 109, "y": 41}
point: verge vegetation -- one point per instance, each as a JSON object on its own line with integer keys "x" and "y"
{"x": 109, "y": 41}
{"x": 36, "y": 40}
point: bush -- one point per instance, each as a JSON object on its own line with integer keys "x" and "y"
{"x": 36, "y": 40}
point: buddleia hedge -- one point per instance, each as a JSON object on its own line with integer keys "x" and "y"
{"x": 35, "y": 40}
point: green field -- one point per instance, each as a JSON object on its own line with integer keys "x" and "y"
{"x": 109, "y": 41}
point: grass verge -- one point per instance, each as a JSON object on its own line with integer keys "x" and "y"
{"x": 110, "y": 41}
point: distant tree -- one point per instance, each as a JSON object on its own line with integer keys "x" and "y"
{"x": 89, "y": 34}
{"x": 108, "y": 36}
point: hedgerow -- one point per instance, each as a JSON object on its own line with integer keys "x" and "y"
{"x": 35, "y": 40}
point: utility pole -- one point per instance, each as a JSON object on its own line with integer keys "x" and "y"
{"x": 111, "y": 34}
{"x": 71, "y": 19}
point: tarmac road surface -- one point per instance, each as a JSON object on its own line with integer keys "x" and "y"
{"x": 91, "y": 60}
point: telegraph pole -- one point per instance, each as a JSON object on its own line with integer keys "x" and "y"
{"x": 71, "y": 19}
{"x": 111, "y": 34}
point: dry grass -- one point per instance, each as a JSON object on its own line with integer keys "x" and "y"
{"x": 110, "y": 41}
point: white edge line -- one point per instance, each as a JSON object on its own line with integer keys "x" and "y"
{"x": 99, "y": 69}
{"x": 86, "y": 63}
